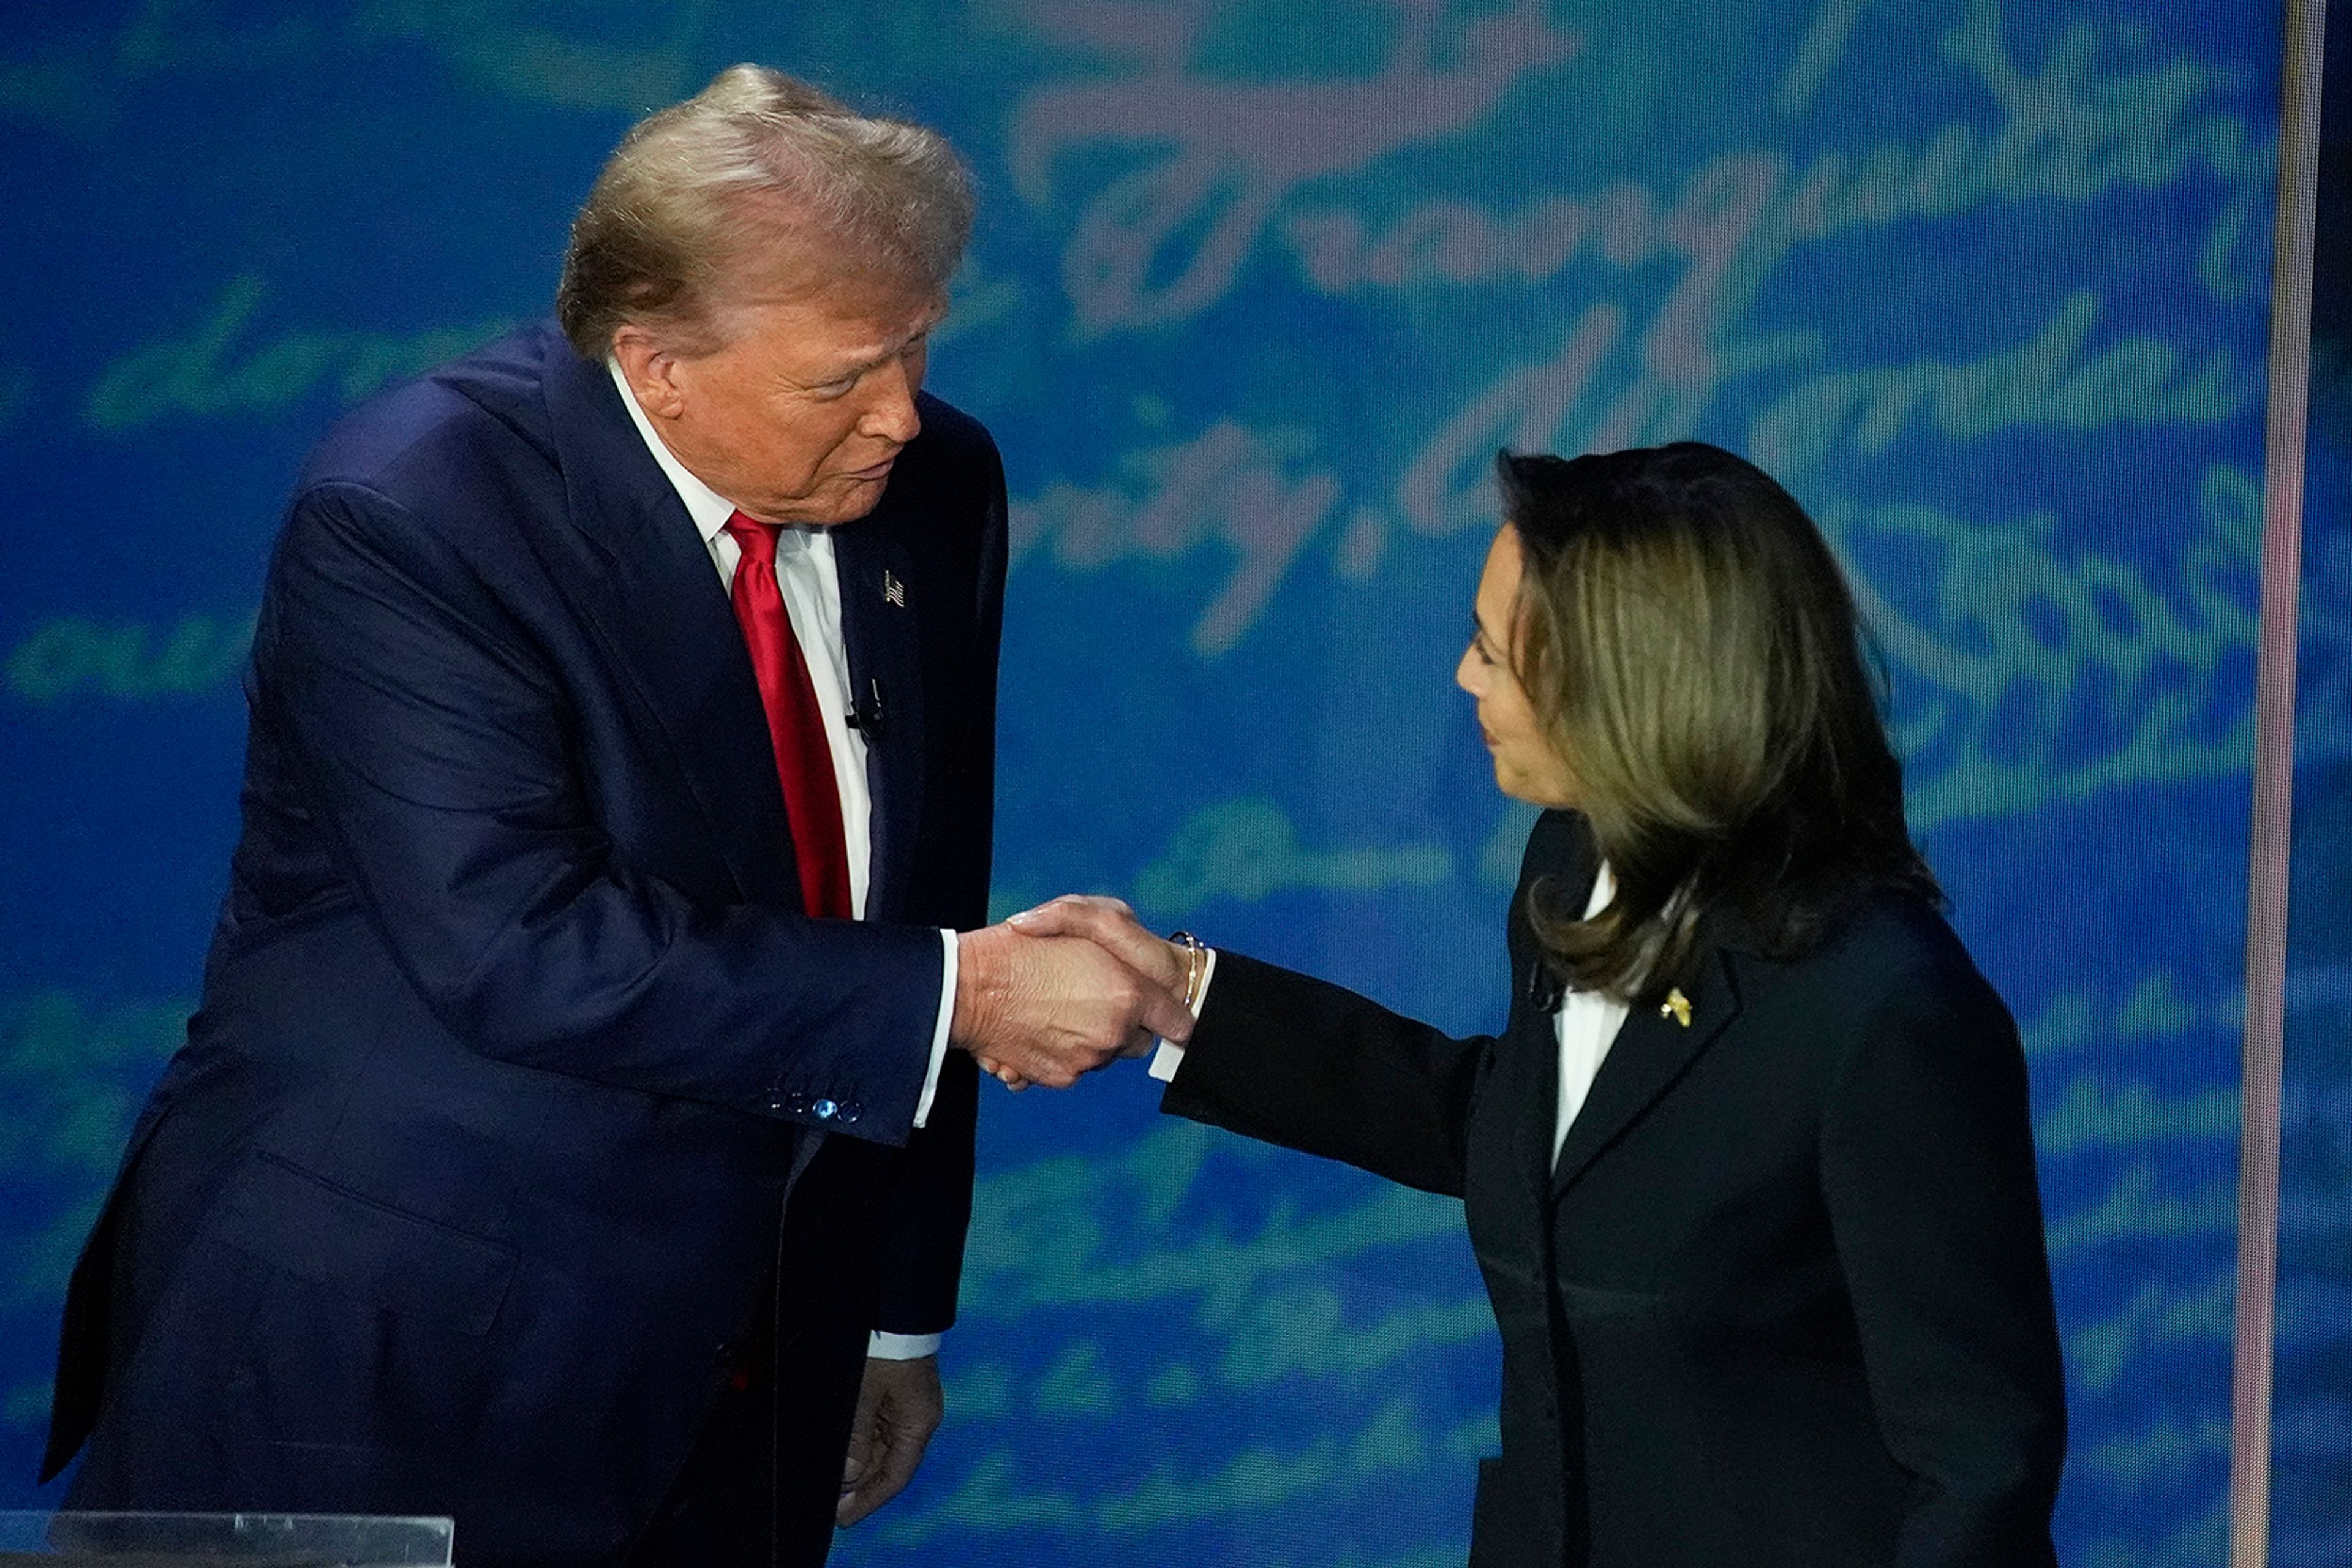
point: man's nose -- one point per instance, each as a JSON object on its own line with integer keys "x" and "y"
{"x": 890, "y": 413}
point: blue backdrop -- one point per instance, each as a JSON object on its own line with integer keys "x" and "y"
{"x": 1257, "y": 289}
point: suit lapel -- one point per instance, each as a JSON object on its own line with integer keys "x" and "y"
{"x": 650, "y": 589}
{"x": 878, "y": 606}
{"x": 1652, "y": 1052}
{"x": 1534, "y": 1045}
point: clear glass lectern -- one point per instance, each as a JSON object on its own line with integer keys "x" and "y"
{"x": 222, "y": 1541}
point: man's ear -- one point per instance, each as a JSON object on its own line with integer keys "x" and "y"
{"x": 650, "y": 369}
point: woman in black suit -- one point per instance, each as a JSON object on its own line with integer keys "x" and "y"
{"x": 1748, "y": 1173}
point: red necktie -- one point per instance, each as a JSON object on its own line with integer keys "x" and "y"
{"x": 795, "y": 726}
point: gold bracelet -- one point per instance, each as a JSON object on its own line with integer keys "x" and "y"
{"x": 1196, "y": 964}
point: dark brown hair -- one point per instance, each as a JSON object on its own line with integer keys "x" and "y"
{"x": 1689, "y": 643}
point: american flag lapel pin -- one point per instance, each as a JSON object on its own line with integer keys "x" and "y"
{"x": 893, "y": 591}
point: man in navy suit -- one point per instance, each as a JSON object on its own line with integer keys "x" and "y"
{"x": 571, "y": 1138}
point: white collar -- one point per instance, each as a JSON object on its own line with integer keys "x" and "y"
{"x": 1604, "y": 888}
{"x": 707, "y": 507}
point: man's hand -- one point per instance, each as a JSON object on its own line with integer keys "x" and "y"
{"x": 1110, "y": 925}
{"x": 1049, "y": 1010}
{"x": 898, "y": 1407}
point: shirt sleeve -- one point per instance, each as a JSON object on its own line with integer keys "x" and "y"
{"x": 880, "y": 1346}
{"x": 940, "y": 1034}
{"x": 1171, "y": 1056}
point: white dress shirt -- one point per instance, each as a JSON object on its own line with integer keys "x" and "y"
{"x": 1584, "y": 1027}
{"x": 811, "y": 584}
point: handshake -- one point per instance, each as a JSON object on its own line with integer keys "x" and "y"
{"x": 1055, "y": 993}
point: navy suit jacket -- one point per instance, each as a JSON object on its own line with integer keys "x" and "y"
{"x": 514, "y": 1034}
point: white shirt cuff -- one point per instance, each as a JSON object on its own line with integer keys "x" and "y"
{"x": 939, "y": 1053}
{"x": 880, "y": 1346}
{"x": 1170, "y": 1056}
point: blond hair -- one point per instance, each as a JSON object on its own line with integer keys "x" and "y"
{"x": 757, "y": 180}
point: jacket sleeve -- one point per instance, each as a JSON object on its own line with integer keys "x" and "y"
{"x": 445, "y": 771}
{"x": 927, "y": 1206}
{"x": 1289, "y": 1060}
{"x": 1926, "y": 1164}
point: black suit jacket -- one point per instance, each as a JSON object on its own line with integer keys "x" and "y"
{"x": 514, "y": 1035}
{"x": 1782, "y": 1299}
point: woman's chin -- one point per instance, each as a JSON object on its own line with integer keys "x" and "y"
{"x": 1530, "y": 792}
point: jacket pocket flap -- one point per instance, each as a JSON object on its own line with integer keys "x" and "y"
{"x": 402, "y": 1262}
{"x": 1595, "y": 1301}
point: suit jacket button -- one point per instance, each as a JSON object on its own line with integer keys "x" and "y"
{"x": 850, "y": 1111}
{"x": 824, "y": 1109}
{"x": 775, "y": 1105}
{"x": 795, "y": 1103}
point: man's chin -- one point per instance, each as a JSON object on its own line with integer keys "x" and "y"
{"x": 865, "y": 498}
{"x": 844, "y": 501}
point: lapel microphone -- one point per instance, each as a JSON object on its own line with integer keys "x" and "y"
{"x": 866, "y": 717}
{"x": 1544, "y": 987}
